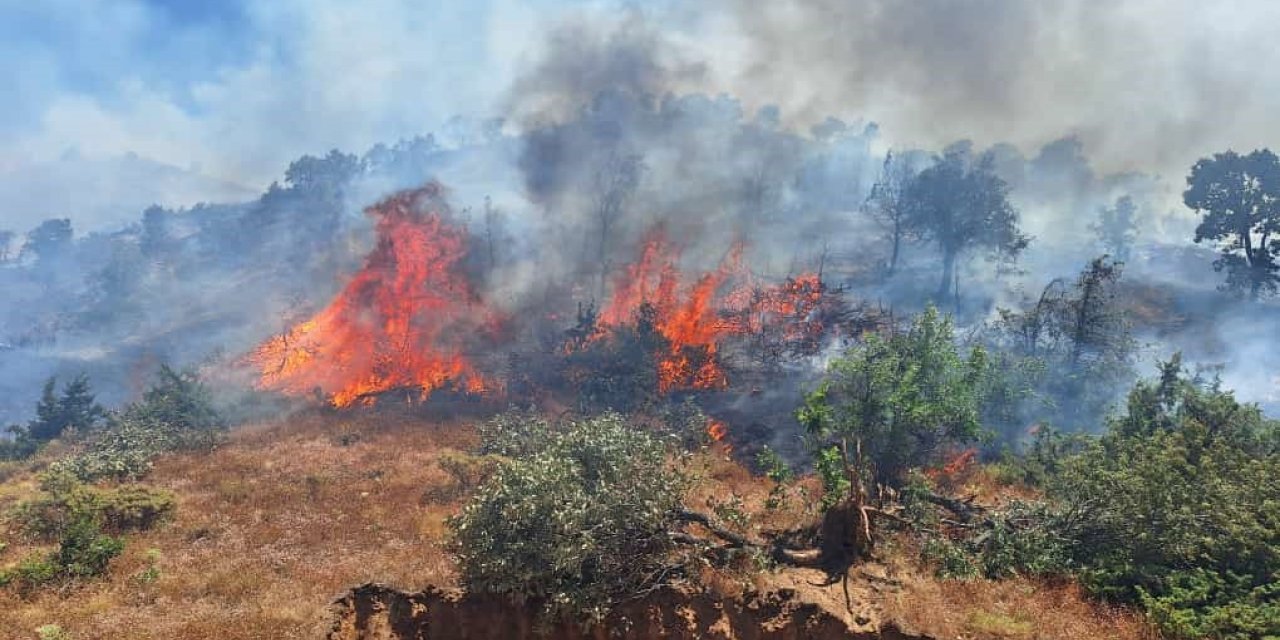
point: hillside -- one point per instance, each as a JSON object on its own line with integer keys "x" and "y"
{"x": 285, "y": 516}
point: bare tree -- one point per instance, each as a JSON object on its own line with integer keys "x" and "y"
{"x": 614, "y": 185}
{"x": 886, "y": 204}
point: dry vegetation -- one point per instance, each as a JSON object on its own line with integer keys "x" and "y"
{"x": 285, "y": 516}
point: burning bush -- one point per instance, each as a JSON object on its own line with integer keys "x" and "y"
{"x": 402, "y": 322}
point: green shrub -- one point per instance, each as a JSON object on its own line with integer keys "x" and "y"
{"x": 1179, "y": 510}
{"x": 579, "y": 522}
{"x": 903, "y": 398}
{"x": 83, "y": 552}
{"x": 175, "y": 414}
{"x": 514, "y": 433}
{"x": 52, "y": 632}
{"x": 66, "y": 501}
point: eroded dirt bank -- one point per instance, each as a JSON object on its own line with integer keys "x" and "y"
{"x": 379, "y": 612}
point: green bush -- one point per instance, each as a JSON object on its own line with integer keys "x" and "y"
{"x": 514, "y": 433}
{"x": 175, "y": 414}
{"x": 83, "y": 552}
{"x": 66, "y": 501}
{"x": 903, "y": 398}
{"x": 576, "y": 524}
{"x": 1179, "y": 510}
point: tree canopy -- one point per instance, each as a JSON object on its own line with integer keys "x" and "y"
{"x": 1239, "y": 197}
{"x": 960, "y": 204}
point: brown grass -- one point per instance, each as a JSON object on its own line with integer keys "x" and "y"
{"x": 1016, "y": 608}
{"x": 269, "y": 528}
{"x": 286, "y": 516}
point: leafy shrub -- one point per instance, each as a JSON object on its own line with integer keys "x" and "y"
{"x": 903, "y": 397}
{"x": 175, "y": 414}
{"x": 514, "y": 433}
{"x": 83, "y": 552}
{"x": 1178, "y": 509}
{"x": 52, "y": 632}
{"x": 66, "y": 501}
{"x": 578, "y": 522}
{"x": 122, "y": 452}
{"x": 1024, "y": 538}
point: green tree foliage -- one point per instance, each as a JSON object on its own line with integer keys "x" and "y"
{"x": 1177, "y": 509}
{"x": 180, "y": 399}
{"x": 579, "y": 522}
{"x": 75, "y": 407}
{"x": 960, "y": 204}
{"x": 1117, "y": 227}
{"x": 903, "y": 397}
{"x": 1239, "y": 197}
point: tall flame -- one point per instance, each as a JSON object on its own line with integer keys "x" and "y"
{"x": 399, "y": 323}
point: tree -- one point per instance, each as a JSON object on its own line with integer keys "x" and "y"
{"x": 902, "y": 397}
{"x": 155, "y": 238}
{"x": 50, "y": 239}
{"x": 328, "y": 174}
{"x": 615, "y": 182}
{"x": 1239, "y": 197}
{"x": 74, "y": 408}
{"x": 6, "y": 244}
{"x": 1075, "y": 343}
{"x": 961, "y": 204}
{"x": 887, "y": 205}
{"x": 1116, "y": 227}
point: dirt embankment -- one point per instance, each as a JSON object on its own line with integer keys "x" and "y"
{"x": 379, "y": 612}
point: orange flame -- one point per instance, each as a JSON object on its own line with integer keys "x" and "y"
{"x": 716, "y": 430}
{"x": 400, "y": 322}
{"x": 955, "y": 466}
{"x": 696, "y": 319}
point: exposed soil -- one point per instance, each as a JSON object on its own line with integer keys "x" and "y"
{"x": 378, "y": 612}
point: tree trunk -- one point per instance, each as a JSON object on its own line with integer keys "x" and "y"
{"x": 897, "y": 242}
{"x": 948, "y": 271}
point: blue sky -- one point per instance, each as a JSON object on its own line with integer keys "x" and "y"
{"x": 239, "y": 88}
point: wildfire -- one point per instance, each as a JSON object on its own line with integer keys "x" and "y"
{"x": 957, "y": 465}
{"x": 400, "y": 322}
{"x": 687, "y": 316}
{"x": 696, "y": 318}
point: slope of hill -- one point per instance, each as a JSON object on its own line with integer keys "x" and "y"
{"x": 285, "y": 516}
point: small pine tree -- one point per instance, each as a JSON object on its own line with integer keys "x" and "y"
{"x": 75, "y": 407}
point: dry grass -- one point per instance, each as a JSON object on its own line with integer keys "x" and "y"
{"x": 286, "y": 516}
{"x": 1017, "y": 609}
{"x": 269, "y": 528}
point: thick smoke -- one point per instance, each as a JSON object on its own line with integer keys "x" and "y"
{"x": 1145, "y": 85}
{"x": 761, "y": 124}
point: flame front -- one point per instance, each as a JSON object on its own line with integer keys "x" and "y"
{"x": 401, "y": 322}
{"x": 695, "y": 319}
